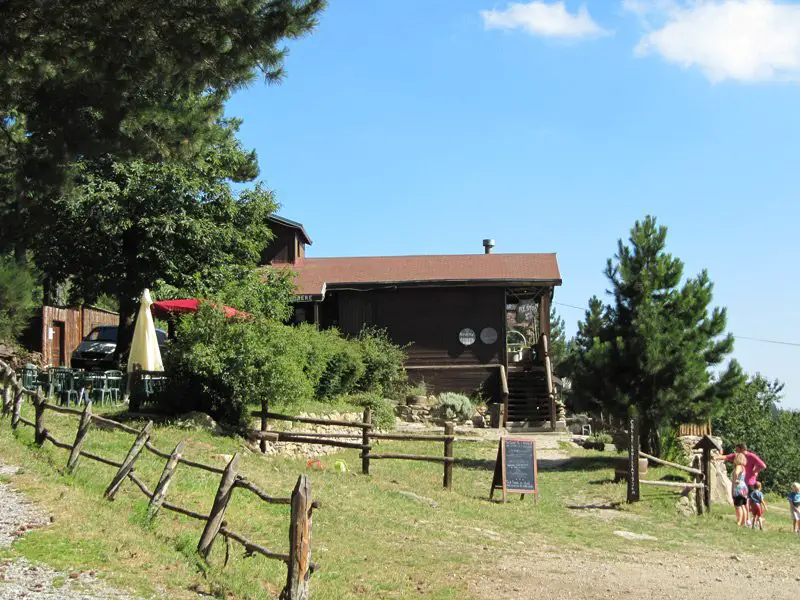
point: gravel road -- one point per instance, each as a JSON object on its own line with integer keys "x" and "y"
{"x": 19, "y": 578}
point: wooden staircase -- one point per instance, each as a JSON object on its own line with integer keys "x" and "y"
{"x": 528, "y": 399}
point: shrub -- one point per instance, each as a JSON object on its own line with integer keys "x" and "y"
{"x": 383, "y": 362}
{"x": 343, "y": 370}
{"x": 218, "y": 365}
{"x": 597, "y": 441}
{"x": 454, "y": 407}
{"x": 418, "y": 389}
{"x": 382, "y": 410}
{"x": 19, "y": 294}
{"x": 753, "y": 416}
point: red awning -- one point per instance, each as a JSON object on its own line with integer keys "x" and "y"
{"x": 165, "y": 308}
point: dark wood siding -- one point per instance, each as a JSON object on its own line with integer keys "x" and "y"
{"x": 480, "y": 379}
{"x": 70, "y": 333}
{"x": 77, "y": 323}
{"x": 93, "y": 317}
{"x": 282, "y": 248}
{"x": 430, "y": 319}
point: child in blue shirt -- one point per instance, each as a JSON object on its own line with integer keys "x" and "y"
{"x": 794, "y": 507}
{"x": 757, "y": 506}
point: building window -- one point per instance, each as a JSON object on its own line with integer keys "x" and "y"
{"x": 466, "y": 336}
{"x": 300, "y": 314}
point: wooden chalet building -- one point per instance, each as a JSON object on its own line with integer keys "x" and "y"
{"x": 452, "y": 310}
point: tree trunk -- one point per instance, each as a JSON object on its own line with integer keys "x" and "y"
{"x": 127, "y": 317}
{"x": 129, "y": 294}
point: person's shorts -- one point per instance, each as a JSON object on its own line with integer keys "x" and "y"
{"x": 795, "y": 512}
{"x": 756, "y": 509}
{"x": 740, "y": 500}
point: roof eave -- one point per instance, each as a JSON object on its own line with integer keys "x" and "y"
{"x": 329, "y": 286}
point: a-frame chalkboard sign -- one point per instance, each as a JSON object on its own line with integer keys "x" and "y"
{"x": 516, "y": 470}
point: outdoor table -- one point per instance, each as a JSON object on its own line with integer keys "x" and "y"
{"x": 89, "y": 381}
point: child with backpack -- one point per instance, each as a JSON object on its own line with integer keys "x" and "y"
{"x": 794, "y": 507}
{"x": 758, "y": 504}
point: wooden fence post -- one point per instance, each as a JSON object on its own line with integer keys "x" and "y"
{"x": 17, "y": 406}
{"x": 365, "y": 441}
{"x": 166, "y": 476}
{"x": 449, "y": 430}
{"x": 127, "y": 464}
{"x": 633, "y": 460}
{"x": 221, "y": 500}
{"x": 264, "y": 410}
{"x": 83, "y": 429}
{"x": 8, "y": 377}
{"x": 299, "y": 543}
{"x": 39, "y": 405}
{"x": 698, "y": 492}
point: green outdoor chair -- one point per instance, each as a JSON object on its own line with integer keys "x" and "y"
{"x": 30, "y": 377}
{"x": 64, "y": 384}
{"x": 112, "y": 386}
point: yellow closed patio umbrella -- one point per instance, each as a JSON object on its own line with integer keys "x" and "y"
{"x": 145, "y": 354}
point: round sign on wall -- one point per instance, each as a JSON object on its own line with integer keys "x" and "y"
{"x": 488, "y": 335}
{"x": 466, "y": 336}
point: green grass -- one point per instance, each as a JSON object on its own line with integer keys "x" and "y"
{"x": 369, "y": 539}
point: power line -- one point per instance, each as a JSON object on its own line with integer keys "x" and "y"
{"x": 570, "y": 306}
{"x": 752, "y": 339}
{"x": 738, "y": 337}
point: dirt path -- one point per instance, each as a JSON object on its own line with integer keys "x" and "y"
{"x": 556, "y": 574}
{"x": 20, "y": 578}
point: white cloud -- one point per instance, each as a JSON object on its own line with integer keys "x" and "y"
{"x": 539, "y": 18}
{"x": 743, "y": 40}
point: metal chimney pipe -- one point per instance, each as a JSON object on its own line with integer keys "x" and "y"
{"x": 488, "y": 244}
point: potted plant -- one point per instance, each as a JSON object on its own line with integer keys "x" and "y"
{"x": 417, "y": 395}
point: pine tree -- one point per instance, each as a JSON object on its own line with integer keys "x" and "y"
{"x": 652, "y": 349}
{"x": 557, "y": 341}
{"x": 83, "y": 79}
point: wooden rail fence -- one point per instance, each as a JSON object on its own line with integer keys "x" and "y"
{"x": 700, "y": 470}
{"x": 298, "y": 560}
{"x": 367, "y": 435}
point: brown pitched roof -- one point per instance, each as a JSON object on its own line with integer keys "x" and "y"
{"x": 314, "y": 275}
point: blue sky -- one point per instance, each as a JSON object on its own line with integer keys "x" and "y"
{"x": 424, "y": 126}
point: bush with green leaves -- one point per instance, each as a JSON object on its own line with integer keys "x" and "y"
{"x": 382, "y": 410}
{"x": 20, "y": 293}
{"x": 417, "y": 389}
{"x": 753, "y": 416}
{"x": 383, "y": 362}
{"x": 598, "y": 441}
{"x": 454, "y": 407}
{"x": 344, "y": 367}
{"x": 219, "y": 365}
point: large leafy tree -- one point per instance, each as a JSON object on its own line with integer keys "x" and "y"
{"x": 753, "y": 415}
{"x": 127, "y": 225}
{"x": 19, "y": 293}
{"x": 657, "y": 348}
{"x": 83, "y": 80}
{"x": 557, "y": 341}
{"x": 133, "y": 78}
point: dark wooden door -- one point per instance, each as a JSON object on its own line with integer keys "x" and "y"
{"x": 57, "y": 355}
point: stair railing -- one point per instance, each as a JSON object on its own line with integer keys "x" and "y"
{"x": 504, "y": 392}
{"x": 548, "y": 367}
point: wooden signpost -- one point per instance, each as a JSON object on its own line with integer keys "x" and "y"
{"x": 516, "y": 470}
{"x": 633, "y": 460}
